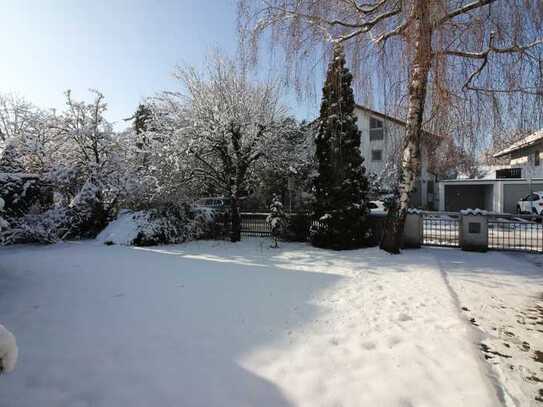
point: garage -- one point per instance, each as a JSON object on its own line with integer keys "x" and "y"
{"x": 464, "y": 196}
{"x": 495, "y": 195}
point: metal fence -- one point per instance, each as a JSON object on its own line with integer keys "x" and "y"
{"x": 441, "y": 229}
{"x": 254, "y": 224}
{"x": 505, "y": 232}
{"x": 513, "y": 232}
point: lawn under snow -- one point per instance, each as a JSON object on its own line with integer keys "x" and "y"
{"x": 217, "y": 324}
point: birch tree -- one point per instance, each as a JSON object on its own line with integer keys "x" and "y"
{"x": 441, "y": 52}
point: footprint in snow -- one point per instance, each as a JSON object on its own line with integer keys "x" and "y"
{"x": 404, "y": 317}
{"x": 369, "y": 345}
{"x": 393, "y": 341}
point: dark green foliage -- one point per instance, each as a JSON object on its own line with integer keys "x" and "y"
{"x": 89, "y": 216}
{"x": 298, "y": 225}
{"x": 20, "y": 191}
{"x": 341, "y": 185}
{"x": 11, "y": 160}
{"x": 141, "y": 119}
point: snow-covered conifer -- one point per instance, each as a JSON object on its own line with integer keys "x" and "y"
{"x": 341, "y": 184}
{"x": 11, "y": 160}
{"x": 276, "y": 219}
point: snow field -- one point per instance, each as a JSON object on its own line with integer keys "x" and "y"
{"x": 217, "y": 324}
{"x": 388, "y": 333}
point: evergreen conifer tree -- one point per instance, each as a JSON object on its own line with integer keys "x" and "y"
{"x": 142, "y": 118}
{"x": 277, "y": 220}
{"x": 341, "y": 185}
{"x": 11, "y": 160}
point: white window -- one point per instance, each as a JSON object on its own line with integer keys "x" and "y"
{"x": 376, "y": 129}
{"x": 377, "y": 155}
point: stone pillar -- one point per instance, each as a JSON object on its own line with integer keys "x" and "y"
{"x": 473, "y": 233}
{"x": 441, "y": 187}
{"x": 412, "y": 233}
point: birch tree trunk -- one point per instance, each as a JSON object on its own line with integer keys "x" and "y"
{"x": 410, "y": 154}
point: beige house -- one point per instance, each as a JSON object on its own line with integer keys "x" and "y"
{"x": 380, "y": 141}
{"x": 524, "y": 157}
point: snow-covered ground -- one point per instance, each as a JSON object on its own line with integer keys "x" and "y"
{"x": 219, "y": 324}
{"x": 502, "y": 294}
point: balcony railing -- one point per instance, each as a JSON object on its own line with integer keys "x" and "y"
{"x": 509, "y": 173}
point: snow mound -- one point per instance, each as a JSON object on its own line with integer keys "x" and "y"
{"x": 124, "y": 230}
{"x": 158, "y": 226}
{"x": 8, "y": 350}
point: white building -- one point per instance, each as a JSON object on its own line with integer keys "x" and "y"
{"x": 501, "y": 189}
{"x": 380, "y": 139}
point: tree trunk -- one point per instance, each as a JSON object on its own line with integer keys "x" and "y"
{"x": 410, "y": 158}
{"x": 235, "y": 232}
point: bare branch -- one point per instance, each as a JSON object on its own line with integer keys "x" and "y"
{"x": 515, "y": 48}
{"x": 465, "y": 9}
{"x": 366, "y": 8}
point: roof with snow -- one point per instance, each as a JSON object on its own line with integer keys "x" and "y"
{"x": 381, "y": 115}
{"x": 527, "y": 141}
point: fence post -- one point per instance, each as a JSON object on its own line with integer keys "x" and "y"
{"x": 474, "y": 230}
{"x": 413, "y": 232}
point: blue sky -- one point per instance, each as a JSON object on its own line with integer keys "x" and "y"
{"x": 127, "y": 49}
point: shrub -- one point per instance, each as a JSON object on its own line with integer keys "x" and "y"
{"x": 163, "y": 225}
{"x": 298, "y": 226}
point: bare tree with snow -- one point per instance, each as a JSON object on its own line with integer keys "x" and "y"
{"x": 229, "y": 121}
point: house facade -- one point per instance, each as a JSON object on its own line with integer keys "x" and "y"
{"x": 504, "y": 186}
{"x": 380, "y": 141}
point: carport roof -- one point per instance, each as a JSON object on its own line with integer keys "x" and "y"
{"x": 522, "y": 143}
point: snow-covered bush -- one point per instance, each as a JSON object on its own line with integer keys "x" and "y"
{"x": 8, "y": 350}
{"x": 166, "y": 225}
{"x": 20, "y": 191}
{"x": 88, "y": 214}
{"x": 84, "y": 217}
{"x": 277, "y": 220}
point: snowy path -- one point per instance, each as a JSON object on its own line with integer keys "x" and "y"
{"x": 503, "y": 295}
{"x": 212, "y": 324}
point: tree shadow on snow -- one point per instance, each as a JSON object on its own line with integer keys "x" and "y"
{"x": 106, "y": 326}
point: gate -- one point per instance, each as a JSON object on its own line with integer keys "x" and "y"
{"x": 441, "y": 229}
{"x": 254, "y": 224}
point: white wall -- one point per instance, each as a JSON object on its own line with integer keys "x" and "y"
{"x": 393, "y": 134}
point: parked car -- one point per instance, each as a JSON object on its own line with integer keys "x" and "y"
{"x": 219, "y": 204}
{"x": 377, "y": 207}
{"x": 532, "y": 204}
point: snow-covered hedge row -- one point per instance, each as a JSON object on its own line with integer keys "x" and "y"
{"x": 84, "y": 217}
{"x": 20, "y": 191}
{"x": 158, "y": 226}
